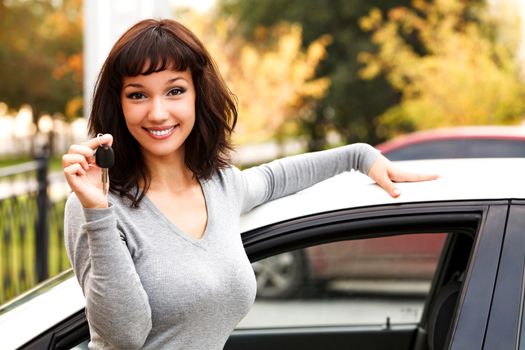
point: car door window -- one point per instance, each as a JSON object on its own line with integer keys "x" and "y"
{"x": 82, "y": 346}
{"x": 371, "y": 281}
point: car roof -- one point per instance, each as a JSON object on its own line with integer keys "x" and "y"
{"x": 492, "y": 132}
{"x": 460, "y": 179}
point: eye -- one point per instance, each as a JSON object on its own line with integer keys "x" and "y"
{"x": 176, "y": 91}
{"x": 136, "y": 95}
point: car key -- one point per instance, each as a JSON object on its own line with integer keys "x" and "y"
{"x": 105, "y": 158}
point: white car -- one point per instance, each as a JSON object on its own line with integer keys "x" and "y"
{"x": 470, "y": 297}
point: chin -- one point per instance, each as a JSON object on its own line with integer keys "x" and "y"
{"x": 162, "y": 151}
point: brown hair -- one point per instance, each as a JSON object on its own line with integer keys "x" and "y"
{"x": 152, "y": 46}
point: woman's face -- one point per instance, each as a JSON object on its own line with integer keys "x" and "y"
{"x": 159, "y": 110}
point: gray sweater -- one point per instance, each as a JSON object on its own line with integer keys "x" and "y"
{"x": 148, "y": 285}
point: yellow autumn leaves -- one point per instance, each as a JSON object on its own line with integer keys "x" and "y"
{"x": 275, "y": 82}
{"x": 463, "y": 76}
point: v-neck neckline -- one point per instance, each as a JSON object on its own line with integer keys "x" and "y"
{"x": 177, "y": 229}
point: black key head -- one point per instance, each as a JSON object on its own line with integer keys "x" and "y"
{"x": 104, "y": 156}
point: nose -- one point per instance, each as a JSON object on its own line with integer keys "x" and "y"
{"x": 158, "y": 111}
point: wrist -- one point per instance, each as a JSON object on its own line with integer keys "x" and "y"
{"x": 88, "y": 203}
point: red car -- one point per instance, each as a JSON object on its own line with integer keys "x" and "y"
{"x": 458, "y": 142}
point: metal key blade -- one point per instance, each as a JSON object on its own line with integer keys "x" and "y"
{"x": 105, "y": 182}
{"x": 105, "y": 159}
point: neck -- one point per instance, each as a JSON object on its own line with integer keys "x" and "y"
{"x": 169, "y": 173}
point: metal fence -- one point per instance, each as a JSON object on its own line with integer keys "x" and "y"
{"x": 31, "y": 228}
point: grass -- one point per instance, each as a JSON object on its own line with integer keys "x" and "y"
{"x": 55, "y": 163}
{"x": 8, "y": 161}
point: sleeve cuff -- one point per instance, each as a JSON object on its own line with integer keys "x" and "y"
{"x": 362, "y": 156}
{"x": 370, "y": 157}
{"x": 99, "y": 218}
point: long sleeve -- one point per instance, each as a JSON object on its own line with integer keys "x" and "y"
{"x": 292, "y": 174}
{"x": 116, "y": 304}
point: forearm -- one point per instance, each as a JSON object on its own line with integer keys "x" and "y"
{"x": 114, "y": 294}
{"x": 116, "y": 304}
{"x": 292, "y": 174}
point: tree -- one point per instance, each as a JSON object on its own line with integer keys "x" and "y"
{"x": 351, "y": 104}
{"x": 273, "y": 83}
{"x": 465, "y": 76}
{"x": 41, "y": 55}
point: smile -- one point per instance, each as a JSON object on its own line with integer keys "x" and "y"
{"x": 160, "y": 132}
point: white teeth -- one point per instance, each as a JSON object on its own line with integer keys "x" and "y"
{"x": 161, "y": 132}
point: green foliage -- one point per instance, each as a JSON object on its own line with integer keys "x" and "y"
{"x": 41, "y": 55}
{"x": 453, "y": 72}
{"x": 285, "y": 85}
{"x": 17, "y": 244}
{"x": 466, "y": 76}
{"x": 351, "y": 104}
{"x": 17, "y": 258}
{"x": 55, "y": 161}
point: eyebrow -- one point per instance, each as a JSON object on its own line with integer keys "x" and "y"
{"x": 137, "y": 85}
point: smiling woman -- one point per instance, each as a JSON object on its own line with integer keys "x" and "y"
{"x": 160, "y": 259}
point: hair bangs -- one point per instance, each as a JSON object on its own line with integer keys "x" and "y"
{"x": 154, "y": 51}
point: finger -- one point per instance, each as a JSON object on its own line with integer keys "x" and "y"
{"x": 95, "y": 142}
{"x": 84, "y": 150}
{"x": 69, "y": 159}
{"x": 74, "y": 170}
{"x": 402, "y": 176}
{"x": 388, "y": 186}
{"x": 84, "y": 189}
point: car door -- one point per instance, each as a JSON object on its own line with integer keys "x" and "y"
{"x": 322, "y": 318}
{"x": 342, "y": 319}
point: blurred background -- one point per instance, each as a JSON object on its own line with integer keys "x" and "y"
{"x": 308, "y": 74}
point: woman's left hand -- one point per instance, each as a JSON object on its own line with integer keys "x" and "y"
{"x": 385, "y": 174}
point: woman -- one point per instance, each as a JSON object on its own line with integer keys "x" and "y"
{"x": 160, "y": 259}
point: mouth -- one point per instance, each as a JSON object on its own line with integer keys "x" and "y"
{"x": 160, "y": 131}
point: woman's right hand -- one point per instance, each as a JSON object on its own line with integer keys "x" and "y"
{"x": 83, "y": 175}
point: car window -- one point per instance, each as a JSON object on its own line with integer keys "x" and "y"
{"x": 355, "y": 282}
{"x": 82, "y": 346}
{"x": 459, "y": 149}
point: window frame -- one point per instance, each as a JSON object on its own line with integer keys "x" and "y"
{"x": 506, "y": 325}
{"x": 350, "y": 224}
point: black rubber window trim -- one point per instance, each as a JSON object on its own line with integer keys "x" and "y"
{"x": 65, "y": 336}
{"x": 356, "y": 224}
